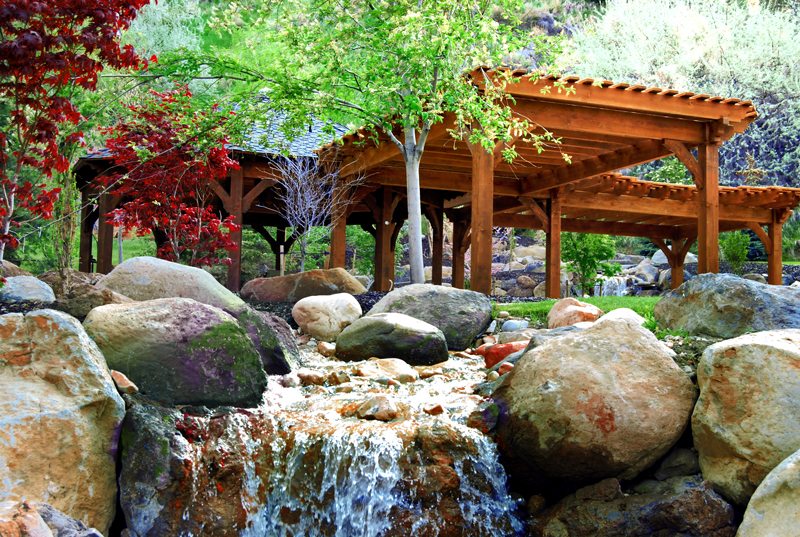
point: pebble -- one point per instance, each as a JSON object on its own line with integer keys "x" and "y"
{"x": 434, "y": 410}
{"x": 310, "y": 377}
{"x": 344, "y": 388}
{"x": 338, "y": 377}
{"x": 515, "y": 325}
{"x": 123, "y": 383}
{"x": 377, "y": 408}
{"x": 503, "y": 314}
{"x": 492, "y": 375}
{"x": 505, "y": 368}
{"x": 326, "y": 349}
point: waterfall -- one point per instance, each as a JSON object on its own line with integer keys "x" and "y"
{"x": 613, "y": 286}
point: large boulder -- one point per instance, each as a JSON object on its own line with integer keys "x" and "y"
{"x": 76, "y": 293}
{"x": 24, "y": 293}
{"x": 293, "y": 287}
{"x": 8, "y": 269}
{"x": 746, "y": 419}
{"x": 607, "y": 401}
{"x": 179, "y": 351}
{"x": 28, "y": 519}
{"x": 660, "y": 259}
{"x": 149, "y": 278}
{"x": 273, "y": 339}
{"x": 726, "y": 306}
{"x": 392, "y": 335}
{"x": 774, "y": 508}
{"x": 324, "y": 317}
{"x": 569, "y": 311}
{"x": 460, "y": 314}
{"x": 685, "y": 506}
{"x": 646, "y": 272}
{"x": 59, "y": 417}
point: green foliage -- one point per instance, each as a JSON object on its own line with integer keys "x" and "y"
{"x": 734, "y": 246}
{"x": 586, "y": 255}
{"x": 661, "y": 333}
{"x": 166, "y": 26}
{"x": 363, "y": 247}
{"x": 725, "y": 47}
{"x": 669, "y": 170}
{"x": 537, "y": 311}
{"x": 791, "y": 238}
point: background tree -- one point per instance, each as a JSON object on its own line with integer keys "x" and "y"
{"x": 586, "y": 255}
{"x": 168, "y": 154}
{"x": 48, "y": 52}
{"x": 396, "y": 67}
{"x": 312, "y": 195}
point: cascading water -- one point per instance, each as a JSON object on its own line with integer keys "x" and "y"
{"x": 303, "y": 464}
{"x": 613, "y": 286}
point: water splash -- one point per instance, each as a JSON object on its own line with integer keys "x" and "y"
{"x": 613, "y": 286}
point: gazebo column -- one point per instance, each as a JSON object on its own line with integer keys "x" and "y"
{"x": 384, "y": 258}
{"x": 461, "y": 241}
{"x": 676, "y": 255}
{"x": 339, "y": 241}
{"x": 482, "y": 215}
{"x": 105, "y": 234}
{"x": 775, "y": 255}
{"x": 234, "y": 208}
{"x": 553, "y": 246}
{"x": 708, "y": 208}
{"x": 88, "y": 218}
{"x": 436, "y": 219}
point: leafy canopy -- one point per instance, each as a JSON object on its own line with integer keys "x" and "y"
{"x": 586, "y": 255}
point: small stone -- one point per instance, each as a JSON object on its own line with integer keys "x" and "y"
{"x": 536, "y": 504}
{"x": 338, "y": 377}
{"x": 434, "y": 410}
{"x": 290, "y": 380}
{"x": 505, "y": 368}
{"x": 484, "y": 418}
{"x": 123, "y": 383}
{"x": 393, "y": 382}
{"x": 514, "y": 325}
{"x": 377, "y": 408}
{"x": 503, "y": 314}
{"x": 344, "y": 388}
{"x": 492, "y": 376}
{"x": 390, "y": 368}
{"x": 426, "y": 372}
{"x": 310, "y": 377}
{"x": 303, "y": 339}
{"x": 326, "y": 349}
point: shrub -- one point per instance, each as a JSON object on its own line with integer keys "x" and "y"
{"x": 586, "y": 256}
{"x": 734, "y": 246}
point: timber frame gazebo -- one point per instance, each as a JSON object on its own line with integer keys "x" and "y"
{"x": 603, "y": 127}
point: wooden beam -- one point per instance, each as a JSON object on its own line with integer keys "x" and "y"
{"x": 528, "y": 221}
{"x": 384, "y": 261}
{"x": 458, "y": 201}
{"x": 339, "y": 242}
{"x": 669, "y": 208}
{"x": 223, "y": 196}
{"x": 254, "y": 192}
{"x": 435, "y": 217}
{"x": 441, "y": 180}
{"x": 86, "y": 225}
{"x": 482, "y": 212}
{"x": 708, "y": 210}
{"x": 683, "y": 153}
{"x": 608, "y": 162}
{"x": 762, "y": 235}
{"x": 555, "y": 115}
{"x": 553, "y": 247}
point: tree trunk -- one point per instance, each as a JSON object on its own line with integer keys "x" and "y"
{"x": 414, "y": 218}
{"x": 5, "y": 228}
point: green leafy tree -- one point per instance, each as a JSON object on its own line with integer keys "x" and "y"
{"x": 586, "y": 256}
{"x": 395, "y": 67}
{"x": 734, "y": 246}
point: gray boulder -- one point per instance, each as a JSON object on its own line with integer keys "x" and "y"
{"x": 460, "y": 314}
{"x": 726, "y": 306}
{"x": 179, "y": 351}
{"x": 774, "y": 508}
{"x": 23, "y": 293}
{"x": 647, "y": 272}
{"x": 680, "y": 506}
{"x": 392, "y": 335}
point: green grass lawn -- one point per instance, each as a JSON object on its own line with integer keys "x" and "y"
{"x": 537, "y": 311}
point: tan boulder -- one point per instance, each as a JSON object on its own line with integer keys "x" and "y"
{"x": 8, "y": 269}
{"x": 150, "y": 278}
{"x": 293, "y": 287}
{"x": 324, "y": 317}
{"x": 76, "y": 293}
{"x": 568, "y": 311}
{"x": 607, "y": 401}
{"x": 59, "y": 417}
{"x": 774, "y": 509}
{"x": 387, "y": 368}
{"x": 746, "y": 419}
{"x": 533, "y": 251}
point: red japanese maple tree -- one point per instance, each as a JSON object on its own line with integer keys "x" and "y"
{"x": 167, "y": 154}
{"x": 48, "y": 49}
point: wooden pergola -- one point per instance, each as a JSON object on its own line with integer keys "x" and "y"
{"x": 603, "y": 127}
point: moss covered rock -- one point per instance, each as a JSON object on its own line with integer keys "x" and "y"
{"x": 392, "y": 335}
{"x": 461, "y": 315}
{"x": 179, "y": 351}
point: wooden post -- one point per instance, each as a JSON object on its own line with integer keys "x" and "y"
{"x": 105, "y": 235}
{"x": 460, "y": 233}
{"x": 88, "y": 218}
{"x": 675, "y": 254}
{"x": 384, "y": 265}
{"x": 482, "y": 215}
{"x": 437, "y": 248}
{"x": 775, "y": 250}
{"x": 553, "y": 246}
{"x": 339, "y": 242}
{"x": 708, "y": 208}
{"x": 234, "y": 208}
{"x": 279, "y": 248}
